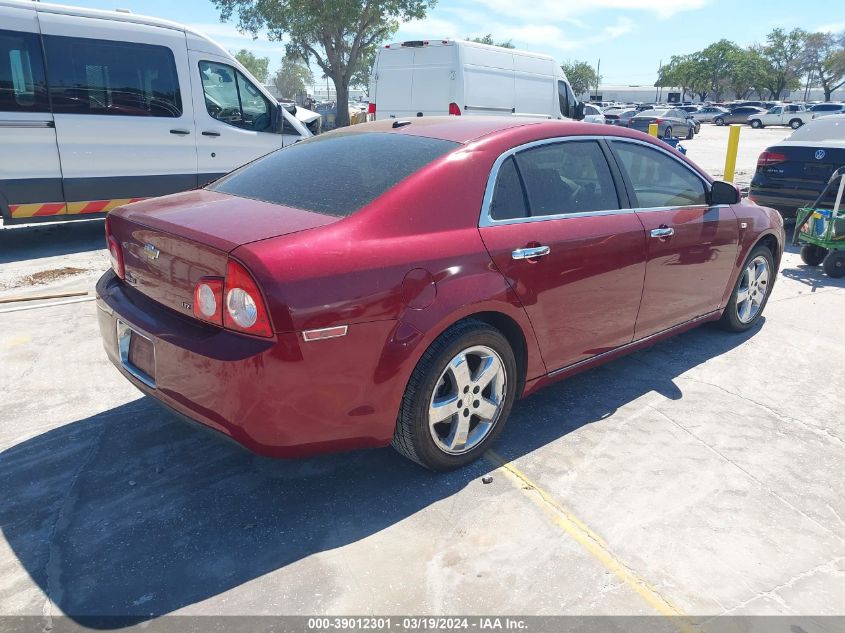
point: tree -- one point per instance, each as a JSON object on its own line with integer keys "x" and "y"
{"x": 687, "y": 72}
{"x": 338, "y": 35}
{"x": 292, "y": 77}
{"x": 824, "y": 57}
{"x": 257, "y": 66}
{"x": 488, "y": 39}
{"x": 784, "y": 56}
{"x": 747, "y": 71}
{"x": 581, "y": 76}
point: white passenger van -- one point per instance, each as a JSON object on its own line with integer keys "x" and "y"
{"x": 98, "y": 108}
{"x": 437, "y": 77}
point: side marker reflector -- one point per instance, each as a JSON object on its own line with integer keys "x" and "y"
{"x": 329, "y": 332}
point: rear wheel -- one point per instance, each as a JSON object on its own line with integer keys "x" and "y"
{"x": 751, "y": 291}
{"x": 795, "y": 123}
{"x": 834, "y": 264}
{"x": 719, "y": 121}
{"x": 756, "y": 124}
{"x": 458, "y": 398}
{"x": 668, "y": 132}
{"x": 813, "y": 255}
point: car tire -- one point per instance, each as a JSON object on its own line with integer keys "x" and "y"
{"x": 668, "y": 132}
{"x": 756, "y": 124}
{"x": 813, "y": 255}
{"x": 749, "y": 296}
{"x": 697, "y": 127}
{"x": 478, "y": 413}
{"x": 834, "y": 264}
{"x": 719, "y": 121}
{"x": 796, "y": 123}
{"x": 690, "y": 133}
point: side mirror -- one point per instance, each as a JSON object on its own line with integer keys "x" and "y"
{"x": 277, "y": 119}
{"x": 578, "y": 115}
{"x": 290, "y": 107}
{"x": 724, "y": 193}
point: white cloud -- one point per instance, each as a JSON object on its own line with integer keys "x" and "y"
{"x": 557, "y": 11}
{"x": 228, "y": 36}
{"x": 836, "y": 27}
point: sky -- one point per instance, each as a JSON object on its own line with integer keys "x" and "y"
{"x": 630, "y": 37}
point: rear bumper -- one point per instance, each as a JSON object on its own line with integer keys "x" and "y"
{"x": 279, "y": 397}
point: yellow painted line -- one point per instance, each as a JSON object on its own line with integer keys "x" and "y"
{"x": 593, "y": 544}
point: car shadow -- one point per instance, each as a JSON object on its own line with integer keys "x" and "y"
{"x": 133, "y": 513}
{"x": 33, "y": 241}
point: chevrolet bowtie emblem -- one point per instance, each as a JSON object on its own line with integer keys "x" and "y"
{"x": 151, "y": 251}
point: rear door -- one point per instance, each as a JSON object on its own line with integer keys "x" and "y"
{"x": 121, "y": 100}
{"x": 691, "y": 246}
{"x": 554, "y": 225}
{"x": 30, "y": 174}
{"x": 417, "y": 79}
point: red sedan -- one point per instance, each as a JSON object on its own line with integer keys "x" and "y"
{"x": 405, "y": 281}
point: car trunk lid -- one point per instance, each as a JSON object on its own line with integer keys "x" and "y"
{"x": 169, "y": 243}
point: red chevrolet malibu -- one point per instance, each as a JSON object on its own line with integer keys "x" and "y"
{"x": 403, "y": 282}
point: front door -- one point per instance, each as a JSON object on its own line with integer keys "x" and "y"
{"x": 691, "y": 246}
{"x": 555, "y": 229}
{"x": 233, "y": 118}
{"x": 121, "y": 101}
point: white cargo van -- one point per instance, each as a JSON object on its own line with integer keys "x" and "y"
{"x": 98, "y": 108}
{"x": 436, "y": 77}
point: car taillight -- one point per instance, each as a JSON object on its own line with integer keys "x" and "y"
{"x": 768, "y": 158}
{"x": 658, "y": 121}
{"x": 244, "y": 309}
{"x": 454, "y": 109}
{"x": 208, "y": 300}
{"x": 371, "y": 108}
{"x": 115, "y": 253}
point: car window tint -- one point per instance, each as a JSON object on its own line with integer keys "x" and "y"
{"x": 22, "y": 84}
{"x": 508, "y": 196}
{"x": 232, "y": 99}
{"x": 658, "y": 180}
{"x": 90, "y": 76}
{"x": 567, "y": 177}
{"x": 336, "y": 173}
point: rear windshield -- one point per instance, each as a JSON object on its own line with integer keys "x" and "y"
{"x": 335, "y": 174}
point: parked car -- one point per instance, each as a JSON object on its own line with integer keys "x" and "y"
{"x": 619, "y": 117}
{"x": 794, "y": 115}
{"x": 447, "y": 268}
{"x": 793, "y": 173}
{"x": 737, "y": 115}
{"x": 670, "y": 122}
{"x": 826, "y": 109}
{"x": 592, "y": 114}
{"x": 706, "y": 114}
{"x": 442, "y": 76}
{"x": 100, "y": 107}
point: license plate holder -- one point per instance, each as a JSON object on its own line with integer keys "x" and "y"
{"x": 137, "y": 353}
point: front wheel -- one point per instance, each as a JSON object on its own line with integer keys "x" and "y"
{"x": 458, "y": 398}
{"x": 756, "y": 124}
{"x": 834, "y": 264}
{"x": 795, "y": 123}
{"x": 719, "y": 121}
{"x": 813, "y": 255}
{"x": 751, "y": 291}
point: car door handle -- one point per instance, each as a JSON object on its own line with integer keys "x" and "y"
{"x": 207, "y": 133}
{"x": 180, "y": 132}
{"x": 663, "y": 231}
{"x": 530, "y": 253}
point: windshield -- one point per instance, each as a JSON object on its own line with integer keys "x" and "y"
{"x": 353, "y": 168}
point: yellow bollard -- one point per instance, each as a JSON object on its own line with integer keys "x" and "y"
{"x": 653, "y": 129}
{"x": 730, "y": 159}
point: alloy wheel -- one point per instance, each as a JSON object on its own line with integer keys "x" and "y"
{"x": 467, "y": 400}
{"x": 752, "y": 289}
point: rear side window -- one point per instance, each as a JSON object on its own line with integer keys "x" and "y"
{"x": 89, "y": 76}
{"x": 22, "y": 85}
{"x": 335, "y": 174}
{"x": 567, "y": 177}
{"x": 657, "y": 179}
{"x": 508, "y": 196}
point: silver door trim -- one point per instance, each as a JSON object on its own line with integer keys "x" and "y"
{"x": 38, "y": 124}
{"x": 486, "y": 220}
